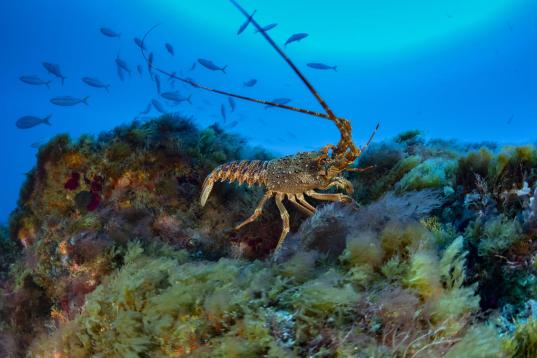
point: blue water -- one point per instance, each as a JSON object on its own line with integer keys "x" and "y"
{"x": 454, "y": 69}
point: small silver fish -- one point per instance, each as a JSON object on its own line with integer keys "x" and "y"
{"x": 232, "y": 103}
{"x": 120, "y": 73}
{"x": 232, "y": 124}
{"x": 157, "y": 83}
{"x": 250, "y": 83}
{"x": 279, "y": 101}
{"x": 266, "y": 28}
{"x": 210, "y": 65}
{"x": 246, "y": 23}
{"x": 193, "y": 67}
{"x": 94, "y": 82}
{"x": 296, "y": 37}
{"x": 321, "y": 66}
{"x": 67, "y": 101}
{"x": 54, "y": 69}
{"x": 140, "y": 69}
{"x": 158, "y": 106}
{"x": 34, "y": 80}
{"x": 223, "y": 112}
{"x": 139, "y": 43}
{"x": 109, "y": 32}
{"x": 176, "y": 97}
{"x": 32, "y": 121}
{"x": 123, "y": 64}
{"x": 169, "y": 48}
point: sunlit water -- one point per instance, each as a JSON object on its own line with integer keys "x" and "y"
{"x": 454, "y": 69}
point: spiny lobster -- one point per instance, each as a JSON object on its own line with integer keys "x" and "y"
{"x": 294, "y": 176}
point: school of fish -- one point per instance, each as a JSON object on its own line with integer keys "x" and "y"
{"x": 164, "y": 98}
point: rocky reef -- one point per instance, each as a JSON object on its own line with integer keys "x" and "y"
{"x": 110, "y": 254}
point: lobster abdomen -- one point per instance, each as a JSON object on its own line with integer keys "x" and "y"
{"x": 249, "y": 171}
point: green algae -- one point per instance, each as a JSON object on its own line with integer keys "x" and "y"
{"x": 149, "y": 273}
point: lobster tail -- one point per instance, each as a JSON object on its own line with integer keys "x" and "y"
{"x": 244, "y": 171}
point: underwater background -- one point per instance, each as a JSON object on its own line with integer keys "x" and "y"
{"x": 453, "y": 69}
{"x": 425, "y": 245}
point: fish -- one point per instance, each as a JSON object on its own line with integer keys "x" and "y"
{"x": 321, "y": 66}
{"x": 157, "y": 83}
{"x": 266, "y": 28}
{"x": 32, "y": 121}
{"x": 510, "y": 119}
{"x": 158, "y": 106}
{"x": 150, "y": 64}
{"x": 193, "y": 67}
{"x": 123, "y": 65}
{"x": 147, "y": 109}
{"x": 67, "y": 101}
{"x": 109, "y": 32}
{"x": 250, "y": 83}
{"x": 246, "y": 23}
{"x": 223, "y": 112}
{"x": 94, "y": 82}
{"x": 210, "y": 65}
{"x": 34, "y": 80}
{"x": 279, "y": 101}
{"x": 296, "y": 37}
{"x": 169, "y": 48}
{"x": 139, "y": 68}
{"x": 176, "y": 97}
{"x": 54, "y": 69}
{"x": 120, "y": 74}
{"x": 139, "y": 43}
{"x": 232, "y": 103}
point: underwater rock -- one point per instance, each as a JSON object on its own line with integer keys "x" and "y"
{"x": 109, "y": 253}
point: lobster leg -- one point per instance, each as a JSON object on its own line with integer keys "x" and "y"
{"x": 304, "y": 209}
{"x": 285, "y": 219}
{"x": 341, "y": 183}
{"x": 303, "y": 201}
{"x": 257, "y": 210}
{"x": 329, "y": 197}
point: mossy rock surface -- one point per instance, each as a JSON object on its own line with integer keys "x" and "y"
{"x": 110, "y": 254}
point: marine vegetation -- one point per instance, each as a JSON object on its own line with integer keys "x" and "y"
{"x": 415, "y": 270}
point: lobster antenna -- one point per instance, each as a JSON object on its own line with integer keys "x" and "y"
{"x": 200, "y": 86}
{"x": 321, "y": 101}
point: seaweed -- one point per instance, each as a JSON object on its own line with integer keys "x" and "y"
{"x": 109, "y": 253}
